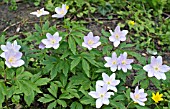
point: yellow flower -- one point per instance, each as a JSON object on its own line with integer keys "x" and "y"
{"x": 157, "y": 97}
{"x": 131, "y": 22}
{"x": 67, "y": 7}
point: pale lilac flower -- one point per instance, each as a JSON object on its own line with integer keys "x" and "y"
{"x": 41, "y": 46}
{"x": 101, "y": 95}
{"x": 117, "y": 36}
{"x": 112, "y": 62}
{"x": 91, "y": 41}
{"x": 52, "y": 41}
{"x": 10, "y": 47}
{"x": 110, "y": 82}
{"x": 61, "y": 12}
{"x": 13, "y": 59}
{"x": 40, "y": 12}
{"x": 139, "y": 96}
{"x": 155, "y": 68}
{"x": 124, "y": 63}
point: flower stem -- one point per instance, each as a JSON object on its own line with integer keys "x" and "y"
{"x": 157, "y": 106}
{"x": 129, "y": 104}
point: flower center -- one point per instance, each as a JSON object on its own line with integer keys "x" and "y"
{"x": 62, "y": 12}
{"x": 90, "y": 42}
{"x": 11, "y": 59}
{"x": 39, "y": 11}
{"x": 156, "y": 69}
{"x": 137, "y": 96}
{"x": 53, "y": 41}
{"x": 117, "y": 36}
{"x": 114, "y": 62}
{"x": 101, "y": 95}
{"x": 123, "y": 62}
{"x": 108, "y": 82}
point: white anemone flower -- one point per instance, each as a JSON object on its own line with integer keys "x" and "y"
{"x": 101, "y": 95}
{"x": 155, "y": 68}
{"x": 40, "y": 12}
{"x": 10, "y": 47}
{"x": 117, "y": 36}
{"x": 52, "y": 41}
{"x": 110, "y": 82}
{"x": 139, "y": 96}
{"x": 61, "y": 12}
{"x": 112, "y": 62}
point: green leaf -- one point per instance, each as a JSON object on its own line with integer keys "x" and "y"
{"x": 54, "y": 72}
{"x": 119, "y": 98}
{"x": 144, "y": 84}
{"x": 38, "y": 28}
{"x": 117, "y": 104}
{"x": 2, "y": 99}
{"x": 42, "y": 81}
{"x": 30, "y": 98}
{"x": 138, "y": 78}
{"x": 62, "y": 102}
{"x": 53, "y": 89}
{"x": 86, "y": 67}
{"x": 72, "y": 45}
{"x": 47, "y": 98}
{"x": 87, "y": 100}
{"x": 76, "y": 105}
{"x": 75, "y": 62}
{"x": 52, "y": 105}
{"x": 140, "y": 58}
{"x": 155, "y": 81}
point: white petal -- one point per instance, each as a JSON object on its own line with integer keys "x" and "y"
{"x": 58, "y": 15}
{"x": 105, "y": 101}
{"x": 150, "y": 74}
{"x": 112, "y": 39}
{"x": 18, "y": 63}
{"x": 112, "y": 88}
{"x": 113, "y": 68}
{"x": 105, "y": 77}
{"x": 100, "y": 83}
{"x": 96, "y": 45}
{"x": 112, "y": 76}
{"x": 117, "y": 29}
{"x": 159, "y": 60}
{"x": 157, "y": 75}
{"x": 111, "y": 32}
{"x": 164, "y": 68}
{"x": 107, "y": 59}
{"x": 116, "y": 43}
{"x": 147, "y": 67}
{"x": 8, "y": 65}
{"x": 163, "y": 76}
{"x": 93, "y": 94}
{"x": 99, "y": 103}
{"x": 56, "y": 46}
{"x": 4, "y": 48}
{"x": 87, "y": 46}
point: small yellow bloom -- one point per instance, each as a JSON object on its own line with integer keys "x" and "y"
{"x": 157, "y": 97}
{"x": 131, "y": 22}
{"x": 67, "y": 7}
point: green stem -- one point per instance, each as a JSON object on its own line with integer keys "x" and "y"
{"x": 157, "y": 106}
{"x": 5, "y": 80}
{"x": 129, "y": 104}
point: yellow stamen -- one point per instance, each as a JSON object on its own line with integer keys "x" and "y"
{"x": 11, "y": 59}
{"x": 90, "y": 42}
{"x": 123, "y": 62}
{"x": 39, "y": 11}
{"x": 117, "y": 36}
{"x": 114, "y": 62}
{"x": 137, "y": 96}
{"x": 53, "y": 41}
